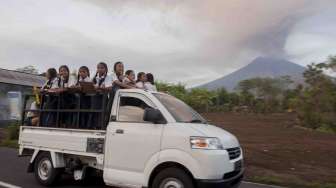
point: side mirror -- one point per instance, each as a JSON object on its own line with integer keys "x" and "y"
{"x": 154, "y": 116}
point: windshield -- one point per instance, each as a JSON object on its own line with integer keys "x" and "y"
{"x": 179, "y": 110}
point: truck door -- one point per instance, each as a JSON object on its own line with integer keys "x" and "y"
{"x": 131, "y": 142}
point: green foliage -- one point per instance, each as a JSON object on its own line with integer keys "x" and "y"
{"x": 177, "y": 90}
{"x": 13, "y": 131}
{"x": 12, "y": 136}
{"x": 199, "y": 99}
{"x": 316, "y": 104}
{"x": 314, "y": 101}
{"x": 265, "y": 95}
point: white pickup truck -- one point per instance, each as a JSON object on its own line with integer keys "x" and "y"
{"x": 152, "y": 140}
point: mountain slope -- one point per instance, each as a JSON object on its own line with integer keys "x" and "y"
{"x": 259, "y": 67}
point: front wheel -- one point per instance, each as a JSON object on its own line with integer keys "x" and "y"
{"x": 172, "y": 178}
{"x": 45, "y": 173}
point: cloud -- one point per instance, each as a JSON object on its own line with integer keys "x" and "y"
{"x": 180, "y": 41}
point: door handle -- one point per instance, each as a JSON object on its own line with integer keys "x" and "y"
{"x": 120, "y": 131}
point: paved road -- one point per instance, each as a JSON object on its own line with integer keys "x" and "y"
{"x": 13, "y": 172}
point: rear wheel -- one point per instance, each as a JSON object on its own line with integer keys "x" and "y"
{"x": 172, "y": 178}
{"x": 45, "y": 173}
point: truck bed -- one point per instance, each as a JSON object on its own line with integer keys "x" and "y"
{"x": 76, "y": 141}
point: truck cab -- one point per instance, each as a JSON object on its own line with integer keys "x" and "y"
{"x": 152, "y": 139}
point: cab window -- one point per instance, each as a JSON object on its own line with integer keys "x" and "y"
{"x": 131, "y": 109}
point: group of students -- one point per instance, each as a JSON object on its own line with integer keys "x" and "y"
{"x": 103, "y": 80}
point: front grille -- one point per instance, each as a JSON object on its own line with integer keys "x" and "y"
{"x": 231, "y": 174}
{"x": 234, "y": 153}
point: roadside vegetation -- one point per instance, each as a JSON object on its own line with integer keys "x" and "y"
{"x": 313, "y": 101}
{"x": 10, "y": 135}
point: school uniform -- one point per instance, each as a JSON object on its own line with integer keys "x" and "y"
{"x": 150, "y": 87}
{"x": 63, "y": 83}
{"x": 85, "y": 103}
{"x": 76, "y": 83}
{"x": 115, "y": 78}
{"x": 103, "y": 81}
{"x": 50, "y": 84}
{"x": 50, "y": 103}
{"x": 68, "y": 101}
{"x": 127, "y": 81}
{"x": 140, "y": 85}
{"x": 31, "y": 114}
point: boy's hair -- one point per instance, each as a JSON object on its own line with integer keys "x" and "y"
{"x": 139, "y": 76}
{"x": 83, "y": 68}
{"x": 150, "y": 78}
{"x": 128, "y": 72}
{"x": 115, "y": 65}
{"x": 52, "y": 73}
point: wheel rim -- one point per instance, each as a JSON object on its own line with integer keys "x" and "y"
{"x": 171, "y": 183}
{"x": 44, "y": 169}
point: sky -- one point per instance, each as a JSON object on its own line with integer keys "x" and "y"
{"x": 187, "y": 41}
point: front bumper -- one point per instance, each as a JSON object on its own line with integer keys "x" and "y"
{"x": 231, "y": 182}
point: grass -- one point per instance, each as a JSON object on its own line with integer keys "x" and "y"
{"x": 11, "y": 136}
{"x": 326, "y": 129}
{"x": 9, "y": 143}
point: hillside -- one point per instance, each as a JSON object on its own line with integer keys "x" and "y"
{"x": 259, "y": 67}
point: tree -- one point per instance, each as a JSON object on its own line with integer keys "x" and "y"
{"x": 177, "y": 90}
{"x": 200, "y": 99}
{"x": 316, "y": 105}
{"x": 263, "y": 94}
{"x": 28, "y": 69}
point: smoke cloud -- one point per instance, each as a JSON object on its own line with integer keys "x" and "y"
{"x": 179, "y": 41}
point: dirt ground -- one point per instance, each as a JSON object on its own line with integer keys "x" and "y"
{"x": 276, "y": 151}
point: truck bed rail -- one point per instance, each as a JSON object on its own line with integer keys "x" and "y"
{"x": 87, "y": 142}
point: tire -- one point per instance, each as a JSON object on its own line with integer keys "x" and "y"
{"x": 45, "y": 173}
{"x": 172, "y": 178}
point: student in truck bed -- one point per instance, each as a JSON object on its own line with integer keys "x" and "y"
{"x": 102, "y": 82}
{"x": 83, "y": 76}
{"x": 64, "y": 80}
{"x": 50, "y": 86}
{"x": 129, "y": 78}
{"x": 52, "y": 81}
{"x": 117, "y": 77}
{"x": 141, "y": 79}
{"x": 32, "y": 116}
{"x": 68, "y": 99}
{"x": 149, "y": 84}
{"x": 85, "y": 100}
{"x": 101, "y": 79}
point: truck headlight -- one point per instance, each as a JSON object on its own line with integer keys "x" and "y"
{"x": 209, "y": 143}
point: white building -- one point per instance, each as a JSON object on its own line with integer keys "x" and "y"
{"x": 13, "y": 85}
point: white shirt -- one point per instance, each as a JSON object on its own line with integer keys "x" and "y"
{"x": 33, "y": 106}
{"x": 86, "y": 79}
{"x": 106, "y": 83}
{"x": 53, "y": 84}
{"x": 150, "y": 87}
{"x": 140, "y": 85}
{"x": 114, "y": 77}
{"x": 127, "y": 81}
{"x": 70, "y": 82}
